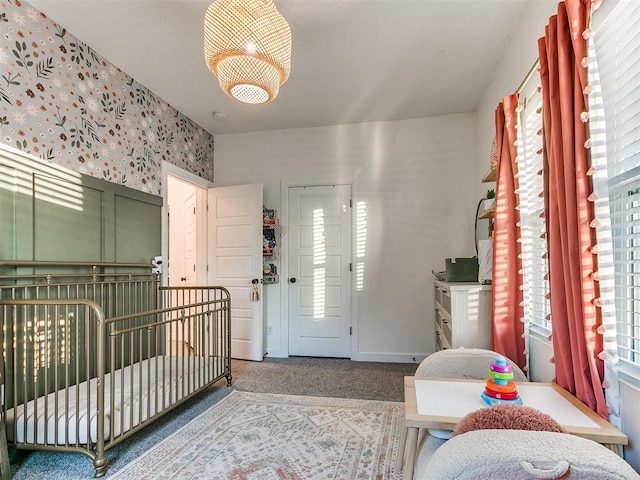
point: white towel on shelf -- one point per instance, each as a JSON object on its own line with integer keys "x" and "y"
{"x": 485, "y": 261}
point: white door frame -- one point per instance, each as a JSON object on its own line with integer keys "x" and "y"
{"x": 168, "y": 169}
{"x": 284, "y": 257}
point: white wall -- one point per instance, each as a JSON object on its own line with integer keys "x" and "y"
{"x": 517, "y": 61}
{"x": 521, "y": 55}
{"x": 418, "y": 180}
{"x": 541, "y": 352}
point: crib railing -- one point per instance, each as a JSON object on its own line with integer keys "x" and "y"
{"x": 51, "y": 359}
{"x": 191, "y": 334}
{"x": 92, "y": 353}
{"x": 44, "y": 337}
{"x": 119, "y": 288}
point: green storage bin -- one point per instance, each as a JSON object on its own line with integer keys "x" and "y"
{"x": 462, "y": 269}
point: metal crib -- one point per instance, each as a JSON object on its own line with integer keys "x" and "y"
{"x": 94, "y": 352}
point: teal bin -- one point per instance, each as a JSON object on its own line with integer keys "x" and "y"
{"x": 462, "y": 269}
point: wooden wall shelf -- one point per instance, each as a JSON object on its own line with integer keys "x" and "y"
{"x": 489, "y": 213}
{"x": 490, "y": 176}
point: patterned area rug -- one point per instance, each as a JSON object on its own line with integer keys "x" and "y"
{"x": 254, "y": 436}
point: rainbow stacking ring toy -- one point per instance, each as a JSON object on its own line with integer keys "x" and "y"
{"x": 500, "y": 387}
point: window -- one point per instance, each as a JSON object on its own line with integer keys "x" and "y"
{"x": 532, "y": 223}
{"x": 617, "y": 49}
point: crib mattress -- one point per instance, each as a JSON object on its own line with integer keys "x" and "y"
{"x": 140, "y": 391}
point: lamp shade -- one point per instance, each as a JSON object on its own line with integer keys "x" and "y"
{"x": 247, "y": 46}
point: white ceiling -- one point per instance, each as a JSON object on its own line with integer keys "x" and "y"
{"x": 353, "y": 60}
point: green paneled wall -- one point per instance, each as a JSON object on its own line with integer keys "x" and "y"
{"x": 136, "y": 217}
{"x": 50, "y": 213}
{"x": 67, "y": 220}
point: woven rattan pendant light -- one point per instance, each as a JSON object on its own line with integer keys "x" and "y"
{"x": 247, "y": 46}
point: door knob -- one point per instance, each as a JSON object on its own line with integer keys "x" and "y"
{"x": 183, "y": 279}
{"x": 292, "y": 280}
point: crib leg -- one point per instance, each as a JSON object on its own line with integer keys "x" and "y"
{"x": 100, "y": 465}
{"x": 5, "y": 466}
{"x": 229, "y": 377}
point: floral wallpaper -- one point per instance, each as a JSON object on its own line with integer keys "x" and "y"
{"x": 63, "y": 102}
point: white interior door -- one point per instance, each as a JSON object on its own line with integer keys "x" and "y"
{"x": 235, "y": 260}
{"x": 189, "y": 225}
{"x": 181, "y": 205}
{"x": 181, "y": 208}
{"x": 319, "y": 223}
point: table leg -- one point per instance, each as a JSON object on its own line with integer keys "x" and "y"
{"x": 615, "y": 448}
{"x": 401, "y": 449}
{"x": 412, "y": 444}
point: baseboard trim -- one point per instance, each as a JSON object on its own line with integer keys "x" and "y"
{"x": 275, "y": 354}
{"x": 388, "y": 357}
{"x": 368, "y": 357}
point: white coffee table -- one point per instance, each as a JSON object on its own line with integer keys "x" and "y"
{"x": 440, "y": 403}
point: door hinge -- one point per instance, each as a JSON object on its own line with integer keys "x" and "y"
{"x": 194, "y": 267}
{"x": 351, "y": 202}
{"x": 351, "y": 267}
{"x": 350, "y": 330}
{"x": 194, "y": 210}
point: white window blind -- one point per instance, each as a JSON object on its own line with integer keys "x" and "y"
{"x": 617, "y": 47}
{"x": 532, "y": 222}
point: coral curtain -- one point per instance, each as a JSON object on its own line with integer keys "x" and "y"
{"x": 508, "y": 329}
{"x": 570, "y": 237}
